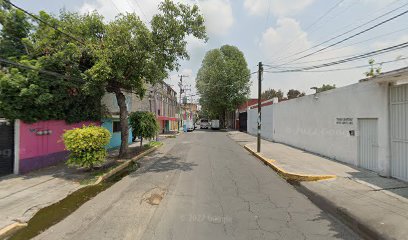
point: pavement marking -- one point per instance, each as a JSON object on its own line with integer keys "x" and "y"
{"x": 285, "y": 174}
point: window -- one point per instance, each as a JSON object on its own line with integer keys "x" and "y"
{"x": 116, "y": 126}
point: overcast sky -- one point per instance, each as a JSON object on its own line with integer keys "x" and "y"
{"x": 270, "y": 31}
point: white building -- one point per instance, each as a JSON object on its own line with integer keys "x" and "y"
{"x": 363, "y": 124}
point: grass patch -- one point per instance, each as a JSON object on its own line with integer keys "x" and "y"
{"x": 152, "y": 144}
{"x": 94, "y": 175}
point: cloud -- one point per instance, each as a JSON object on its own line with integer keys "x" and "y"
{"x": 217, "y": 13}
{"x": 278, "y": 8}
{"x": 218, "y": 16}
{"x": 274, "y": 40}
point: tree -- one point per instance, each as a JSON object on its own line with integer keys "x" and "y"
{"x": 129, "y": 54}
{"x": 272, "y": 93}
{"x": 15, "y": 29}
{"x": 59, "y": 91}
{"x": 292, "y": 93}
{"x": 144, "y": 124}
{"x": 373, "y": 71}
{"x": 325, "y": 87}
{"x": 223, "y": 81}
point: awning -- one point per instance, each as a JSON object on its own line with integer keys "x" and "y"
{"x": 166, "y": 118}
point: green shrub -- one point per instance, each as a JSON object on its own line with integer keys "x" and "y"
{"x": 144, "y": 124}
{"x": 86, "y": 145}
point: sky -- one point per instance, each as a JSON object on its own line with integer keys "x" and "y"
{"x": 274, "y": 32}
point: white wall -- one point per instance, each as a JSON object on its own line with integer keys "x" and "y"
{"x": 310, "y": 123}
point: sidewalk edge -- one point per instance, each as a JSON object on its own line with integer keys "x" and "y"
{"x": 125, "y": 164}
{"x": 9, "y": 229}
{"x": 288, "y": 175}
{"x": 342, "y": 214}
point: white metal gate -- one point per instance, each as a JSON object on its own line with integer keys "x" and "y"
{"x": 399, "y": 131}
{"x": 368, "y": 143}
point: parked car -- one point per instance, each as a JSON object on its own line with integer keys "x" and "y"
{"x": 215, "y": 124}
{"x": 204, "y": 124}
{"x": 190, "y": 125}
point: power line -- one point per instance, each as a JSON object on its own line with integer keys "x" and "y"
{"x": 27, "y": 67}
{"x": 352, "y": 36}
{"x": 44, "y": 22}
{"x": 312, "y": 24}
{"x": 354, "y": 58}
{"x": 342, "y": 69}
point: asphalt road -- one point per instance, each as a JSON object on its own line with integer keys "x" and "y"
{"x": 201, "y": 185}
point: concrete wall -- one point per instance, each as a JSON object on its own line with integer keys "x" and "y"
{"x": 310, "y": 122}
{"x": 115, "y": 140}
{"x": 40, "y": 144}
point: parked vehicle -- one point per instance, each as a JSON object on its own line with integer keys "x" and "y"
{"x": 204, "y": 124}
{"x": 190, "y": 125}
{"x": 215, "y": 124}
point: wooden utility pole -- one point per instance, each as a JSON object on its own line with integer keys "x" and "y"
{"x": 260, "y": 70}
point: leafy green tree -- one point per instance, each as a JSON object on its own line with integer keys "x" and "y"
{"x": 60, "y": 90}
{"x": 144, "y": 124}
{"x": 292, "y": 93}
{"x": 373, "y": 71}
{"x": 325, "y": 87}
{"x": 15, "y": 29}
{"x": 272, "y": 93}
{"x": 129, "y": 54}
{"x": 223, "y": 81}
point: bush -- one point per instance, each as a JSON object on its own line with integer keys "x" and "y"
{"x": 144, "y": 124}
{"x": 86, "y": 145}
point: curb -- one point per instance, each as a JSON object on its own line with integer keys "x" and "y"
{"x": 6, "y": 231}
{"x": 355, "y": 223}
{"x": 288, "y": 175}
{"x": 125, "y": 165}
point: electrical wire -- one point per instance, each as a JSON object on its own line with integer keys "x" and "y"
{"x": 354, "y": 58}
{"x": 349, "y": 31}
{"x": 343, "y": 69}
{"x": 44, "y": 22}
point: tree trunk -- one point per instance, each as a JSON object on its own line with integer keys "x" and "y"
{"x": 141, "y": 141}
{"x": 124, "y": 132}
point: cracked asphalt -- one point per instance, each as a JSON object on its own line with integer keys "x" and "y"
{"x": 204, "y": 186}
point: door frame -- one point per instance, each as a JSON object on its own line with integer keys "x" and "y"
{"x": 358, "y": 144}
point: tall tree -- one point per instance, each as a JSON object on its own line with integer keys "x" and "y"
{"x": 223, "y": 81}
{"x": 272, "y": 93}
{"x": 15, "y": 29}
{"x": 292, "y": 93}
{"x": 129, "y": 54}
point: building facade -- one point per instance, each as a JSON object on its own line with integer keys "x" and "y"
{"x": 363, "y": 124}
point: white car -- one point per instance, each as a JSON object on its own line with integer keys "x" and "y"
{"x": 204, "y": 124}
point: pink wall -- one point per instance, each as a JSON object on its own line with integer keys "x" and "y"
{"x": 33, "y": 145}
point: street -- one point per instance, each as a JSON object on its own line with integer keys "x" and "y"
{"x": 201, "y": 185}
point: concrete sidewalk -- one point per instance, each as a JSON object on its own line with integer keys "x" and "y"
{"x": 22, "y": 196}
{"x": 375, "y": 206}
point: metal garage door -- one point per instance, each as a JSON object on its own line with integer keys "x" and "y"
{"x": 368, "y": 144}
{"x": 399, "y": 131}
{"x": 6, "y": 147}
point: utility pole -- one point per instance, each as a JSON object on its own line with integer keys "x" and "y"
{"x": 260, "y": 71}
{"x": 181, "y": 91}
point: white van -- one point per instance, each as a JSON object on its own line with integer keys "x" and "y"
{"x": 215, "y": 124}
